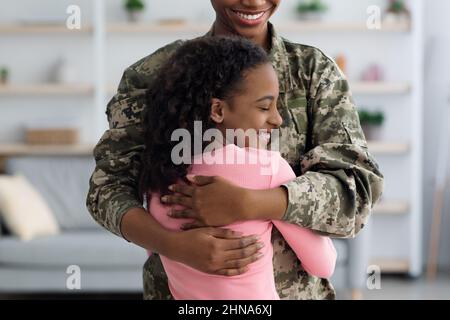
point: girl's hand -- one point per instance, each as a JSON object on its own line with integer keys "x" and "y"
{"x": 215, "y": 250}
{"x": 209, "y": 201}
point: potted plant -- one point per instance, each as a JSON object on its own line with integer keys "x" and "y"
{"x": 371, "y": 123}
{"x": 134, "y": 9}
{"x": 311, "y": 9}
{"x": 397, "y": 12}
{"x": 4, "y": 73}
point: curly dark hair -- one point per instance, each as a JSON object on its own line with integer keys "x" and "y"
{"x": 201, "y": 69}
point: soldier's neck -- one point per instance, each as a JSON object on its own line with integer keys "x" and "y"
{"x": 262, "y": 39}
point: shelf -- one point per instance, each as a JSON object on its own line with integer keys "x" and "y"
{"x": 8, "y": 150}
{"x": 298, "y": 27}
{"x": 54, "y": 89}
{"x": 41, "y": 28}
{"x": 388, "y": 148}
{"x": 340, "y": 27}
{"x": 391, "y": 265}
{"x": 371, "y": 88}
{"x": 46, "y": 89}
{"x": 157, "y": 28}
{"x": 380, "y": 88}
{"x": 189, "y": 27}
{"x": 391, "y": 208}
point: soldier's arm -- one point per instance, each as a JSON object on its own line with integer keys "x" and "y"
{"x": 340, "y": 179}
{"x": 114, "y": 183}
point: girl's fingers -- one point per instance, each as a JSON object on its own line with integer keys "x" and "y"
{"x": 181, "y": 214}
{"x": 183, "y": 189}
{"x": 200, "y": 180}
{"x": 177, "y": 200}
{"x": 192, "y": 225}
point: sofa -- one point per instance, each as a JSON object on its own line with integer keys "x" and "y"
{"x": 107, "y": 264}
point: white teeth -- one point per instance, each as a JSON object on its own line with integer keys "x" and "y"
{"x": 250, "y": 17}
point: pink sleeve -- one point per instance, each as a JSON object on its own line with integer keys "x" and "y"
{"x": 315, "y": 252}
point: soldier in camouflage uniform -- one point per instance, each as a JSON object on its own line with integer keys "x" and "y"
{"x": 338, "y": 179}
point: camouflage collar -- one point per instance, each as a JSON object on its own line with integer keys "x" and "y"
{"x": 280, "y": 60}
{"x": 279, "y": 57}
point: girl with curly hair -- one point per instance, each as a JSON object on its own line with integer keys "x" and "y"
{"x": 225, "y": 84}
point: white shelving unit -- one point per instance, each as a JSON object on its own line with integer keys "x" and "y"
{"x": 396, "y": 241}
{"x": 396, "y": 236}
{"x": 8, "y": 150}
{"x": 46, "y": 90}
{"x": 314, "y": 27}
{"x": 40, "y": 29}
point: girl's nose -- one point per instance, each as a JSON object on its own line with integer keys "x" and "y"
{"x": 276, "y": 119}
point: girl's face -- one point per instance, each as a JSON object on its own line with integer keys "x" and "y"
{"x": 254, "y": 106}
{"x": 247, "y": 18}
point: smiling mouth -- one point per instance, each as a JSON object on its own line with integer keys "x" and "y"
{"x": 250, "y": 16}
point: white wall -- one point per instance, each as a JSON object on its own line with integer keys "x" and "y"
{"x": 437, "y": 97}
{"x": 30, "y": 56}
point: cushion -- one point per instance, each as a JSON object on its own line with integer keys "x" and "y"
{"x": 63, "y": 181}
{"x": 23, "y": 210}
{"x": 85, "y": 248}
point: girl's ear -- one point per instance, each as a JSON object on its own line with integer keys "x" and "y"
{"x": 217, "y": 110}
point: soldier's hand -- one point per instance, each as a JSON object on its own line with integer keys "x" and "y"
{"x": 208, "y": 201}
{"x": 215, "y": 250}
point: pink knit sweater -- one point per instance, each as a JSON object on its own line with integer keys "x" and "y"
{"x": 257, "y": 169}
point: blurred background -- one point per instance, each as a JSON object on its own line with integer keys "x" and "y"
{"x": 61, "y": 62}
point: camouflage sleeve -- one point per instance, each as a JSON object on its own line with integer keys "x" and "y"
{"x": 340, "y": 179}
{"x": 113, "y": 187}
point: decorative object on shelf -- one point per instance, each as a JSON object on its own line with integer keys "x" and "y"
{"x": 134, "y": 9}
{"x": 397, "y": 13}
{"x": 64, "y": 73}
{"x": 311, "y": 10}
{"x": 4, "y": 75}
{"x": 52, "y": 136}
{"x": 373, "y": 73}
{"x": 171, "y": 21}
{"x": 341, "y": 61}
{"x": 371, "y": 123}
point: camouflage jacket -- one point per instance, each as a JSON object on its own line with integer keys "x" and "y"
{"x": 338, "y": 179}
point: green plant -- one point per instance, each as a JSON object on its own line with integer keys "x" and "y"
{"x": 3, "y": 74}
{"x": 134, "y": 5}
{"x": 397, "y": 6}
{"x": 371, "y": 118}
{"x": 311, "y": 6}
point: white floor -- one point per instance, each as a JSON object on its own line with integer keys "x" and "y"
{"x": 405, "y": 288}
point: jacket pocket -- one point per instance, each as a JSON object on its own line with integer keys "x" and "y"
{"x": 297, "y": 106}
{"x": 355, "y": 134}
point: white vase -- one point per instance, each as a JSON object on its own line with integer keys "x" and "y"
{"x": 311, "y": 16}
{"x": 134, "y": 16}
{"x": 372, "y": 132}
{"x": 64, "y": 73}
{"x": 3, "y": 78}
